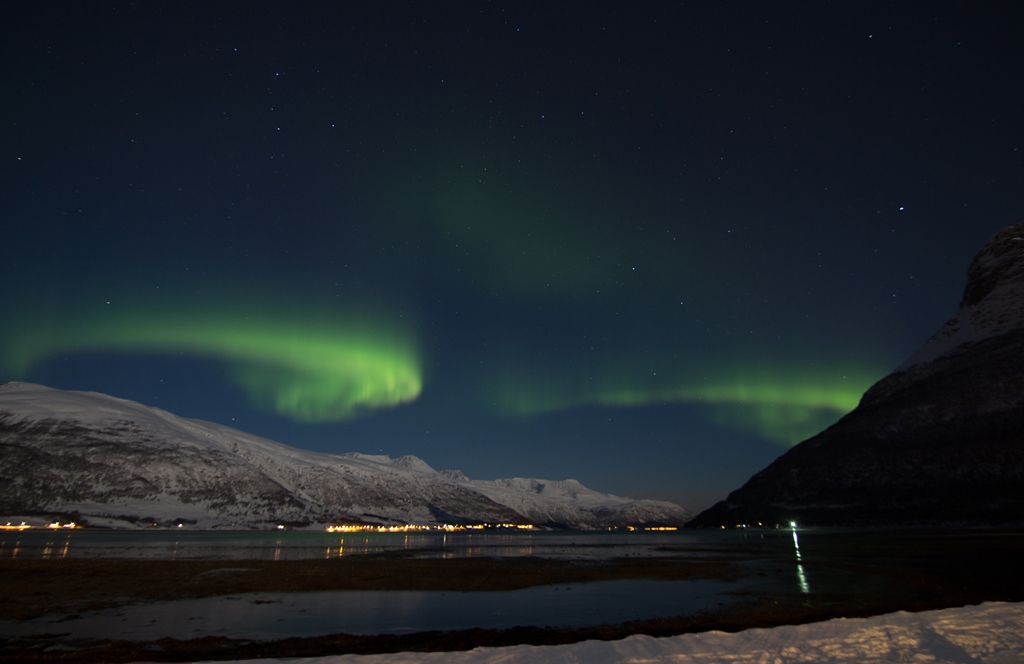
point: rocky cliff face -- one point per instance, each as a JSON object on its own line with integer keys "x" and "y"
{"x": 939, "y": 440}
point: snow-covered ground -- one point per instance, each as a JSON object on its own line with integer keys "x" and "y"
{"x": 992, "y": 633}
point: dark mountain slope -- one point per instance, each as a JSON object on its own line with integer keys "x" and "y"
{"x": 940, "y": 440}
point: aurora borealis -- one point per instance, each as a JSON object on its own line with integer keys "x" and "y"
{"x": 646, "y": 246}
{"x": 298, "y": 367}
{"x": 785, "y": 405}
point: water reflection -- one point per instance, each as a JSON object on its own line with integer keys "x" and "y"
{"x": 14, "y": 552}
{"x": 53, "y": 548}
{"x": 801, "y": 577}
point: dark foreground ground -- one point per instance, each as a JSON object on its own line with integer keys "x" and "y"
{"x": 866, "y": 575}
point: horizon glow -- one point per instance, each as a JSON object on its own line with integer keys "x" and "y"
{"x": 307, "y": 368}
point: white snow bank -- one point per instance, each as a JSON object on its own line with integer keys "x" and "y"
{"x": 992, "y": 633}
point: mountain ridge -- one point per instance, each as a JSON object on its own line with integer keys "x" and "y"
{"x": 117, "y": 462}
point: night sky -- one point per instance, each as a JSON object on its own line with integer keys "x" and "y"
{"x": 645, "y": 245}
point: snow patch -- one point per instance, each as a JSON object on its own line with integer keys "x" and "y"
{"x": 992, "y": 632}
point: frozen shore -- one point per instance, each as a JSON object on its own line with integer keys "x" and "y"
{"x": 992, "y": 632}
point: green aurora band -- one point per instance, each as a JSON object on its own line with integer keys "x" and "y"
{"x": 785, "y": 405}
{"x": 329, "y": 368}
{"x": 308, "y": 369}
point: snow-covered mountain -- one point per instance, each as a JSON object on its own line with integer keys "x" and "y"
{"x": 992, "y": 303}
{"x": 941, "y": 439}
{"x": 117, "y": 462}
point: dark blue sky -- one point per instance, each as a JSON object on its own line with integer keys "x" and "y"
{"x": 644, "y": 245}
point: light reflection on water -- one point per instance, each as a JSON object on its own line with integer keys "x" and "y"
{"x": 767, "y": 553}
{"x": 48, "y": 544}
{"x": 800, "y": 574}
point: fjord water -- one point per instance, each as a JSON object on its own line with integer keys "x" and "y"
{"x": 847, "y": 568}
{"x": 282, "y": 614}
{"x": 272, "y": 616}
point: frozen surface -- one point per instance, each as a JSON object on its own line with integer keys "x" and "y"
{"x": 992, "y": 633}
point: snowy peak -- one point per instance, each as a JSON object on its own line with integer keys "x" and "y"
{"x": 404, "y": 462}
{"x": 547, "y": 502}
{"x": 410, "y": 462}
{"x": 565, "y": 489}
{"x": 992, "y": 303}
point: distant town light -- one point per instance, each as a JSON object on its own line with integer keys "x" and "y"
{"x": 22, "y": 526}
{"x": 412, "y": 527}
